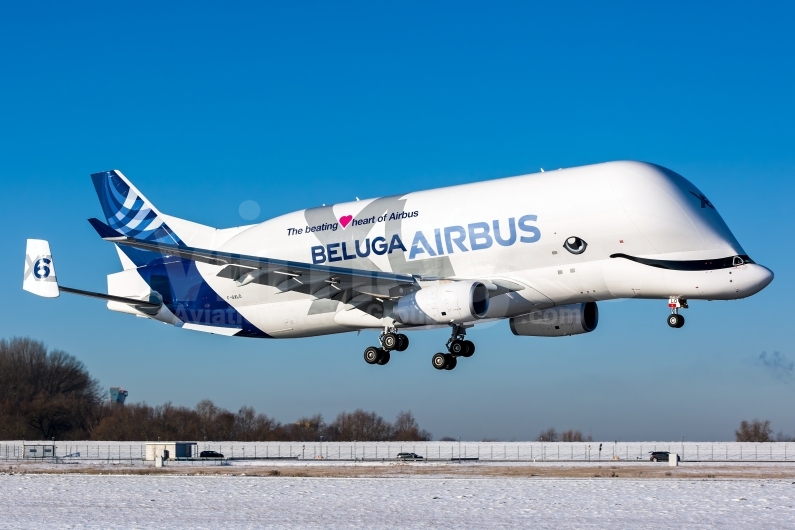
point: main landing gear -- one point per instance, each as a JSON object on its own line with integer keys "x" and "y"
{"x": 390, "y": 340}
{"x": 457, "y": 346}
{"x": 675, "y": 320}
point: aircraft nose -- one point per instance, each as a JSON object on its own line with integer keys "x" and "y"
{"x": 762, "y": 276}
{"x": 766, "y": 276}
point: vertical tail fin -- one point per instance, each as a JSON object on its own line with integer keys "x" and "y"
{"x": 40, "y": 269}
{"x": 128, "y": 211}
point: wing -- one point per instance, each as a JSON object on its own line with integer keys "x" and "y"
{"x": 345, "y": 284}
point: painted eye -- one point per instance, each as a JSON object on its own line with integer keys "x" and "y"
{"x": 575, "y": 245}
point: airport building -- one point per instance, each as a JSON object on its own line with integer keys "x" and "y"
{"x": 170, "y": 450}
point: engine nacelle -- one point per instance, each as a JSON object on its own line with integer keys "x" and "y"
{"x": 572, "y": 319}
{"x": 453, "y": 302}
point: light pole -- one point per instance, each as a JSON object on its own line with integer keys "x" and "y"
{"x": 320, "y": 426}
{"x": 459, "y": 449}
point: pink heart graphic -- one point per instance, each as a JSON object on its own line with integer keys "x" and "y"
{"x": 345, "y": 220}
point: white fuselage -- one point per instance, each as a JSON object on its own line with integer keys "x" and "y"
{"x": 507, "y": 230}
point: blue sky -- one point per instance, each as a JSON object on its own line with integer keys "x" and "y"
{"x": 205, "y": 107}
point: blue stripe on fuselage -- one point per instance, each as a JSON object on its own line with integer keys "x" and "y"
{"x": 186, "y": 294}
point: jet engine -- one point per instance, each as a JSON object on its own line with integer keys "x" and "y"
{"x": 571, "y": 319}
{"x": 443, "y": 303}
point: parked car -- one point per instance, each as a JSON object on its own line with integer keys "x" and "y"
{"x": 661, "y": 456}
{"x": 409, "y": 456}
{"x": 210, "y": 454}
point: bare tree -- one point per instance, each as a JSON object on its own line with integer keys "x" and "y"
{"x": 250, "y": 426}
{"x": 360, "y": 425}
{"x": 44, "y": 394}
{"x": 207, "y": 412}
{"x": 754, "y": 431}
{"x": 405, "y": 429}
{"x": 306, "y": 429}
{"x": 550, "y": 435}
{"x": 571, "y": 436}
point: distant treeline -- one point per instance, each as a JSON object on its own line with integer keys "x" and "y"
{"x": 46, "y": 394}
{"x": 551, "y": 435}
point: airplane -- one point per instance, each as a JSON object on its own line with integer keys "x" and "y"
{"x": 539, "y": 250}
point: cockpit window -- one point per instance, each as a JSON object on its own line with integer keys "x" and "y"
{"x": 740, "y": 260}
{"x": 736, "y": 261}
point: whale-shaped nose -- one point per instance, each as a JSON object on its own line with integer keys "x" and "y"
{"x": 766, "y": 276}
{"x": 762, "y": 276}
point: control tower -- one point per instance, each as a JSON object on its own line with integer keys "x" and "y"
{"x": 118, "y": 395}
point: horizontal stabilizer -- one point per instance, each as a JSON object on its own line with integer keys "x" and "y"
{"x": 112, "y": 298}
{"x": 104, "y": 231}
{"x": 40, "y": 278}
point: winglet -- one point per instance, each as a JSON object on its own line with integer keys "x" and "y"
{"x": 40, "y": 269}
{"x": 104, "y": 231}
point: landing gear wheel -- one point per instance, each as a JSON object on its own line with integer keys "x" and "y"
{"x": 451, "y": 362}
{"x": 458, "y": 347}
{"x": 389, "y": 341}
{"x": 371, "y": 354}
{"x": 676, "y": 320}
{"x": 403, "y": 342}
{"x": 469, "y": 348}
{"x": 384, "y": 358}
{"x": 439, "y": 360}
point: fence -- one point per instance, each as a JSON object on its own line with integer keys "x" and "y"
{"x": 433, "y": 451}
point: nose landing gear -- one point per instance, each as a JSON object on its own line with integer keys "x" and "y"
{"x": 675, "y": 320}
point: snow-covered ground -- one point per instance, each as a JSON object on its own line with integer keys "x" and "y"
{"x": 158, "y": 501}
{"x": 378, "y": 468}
